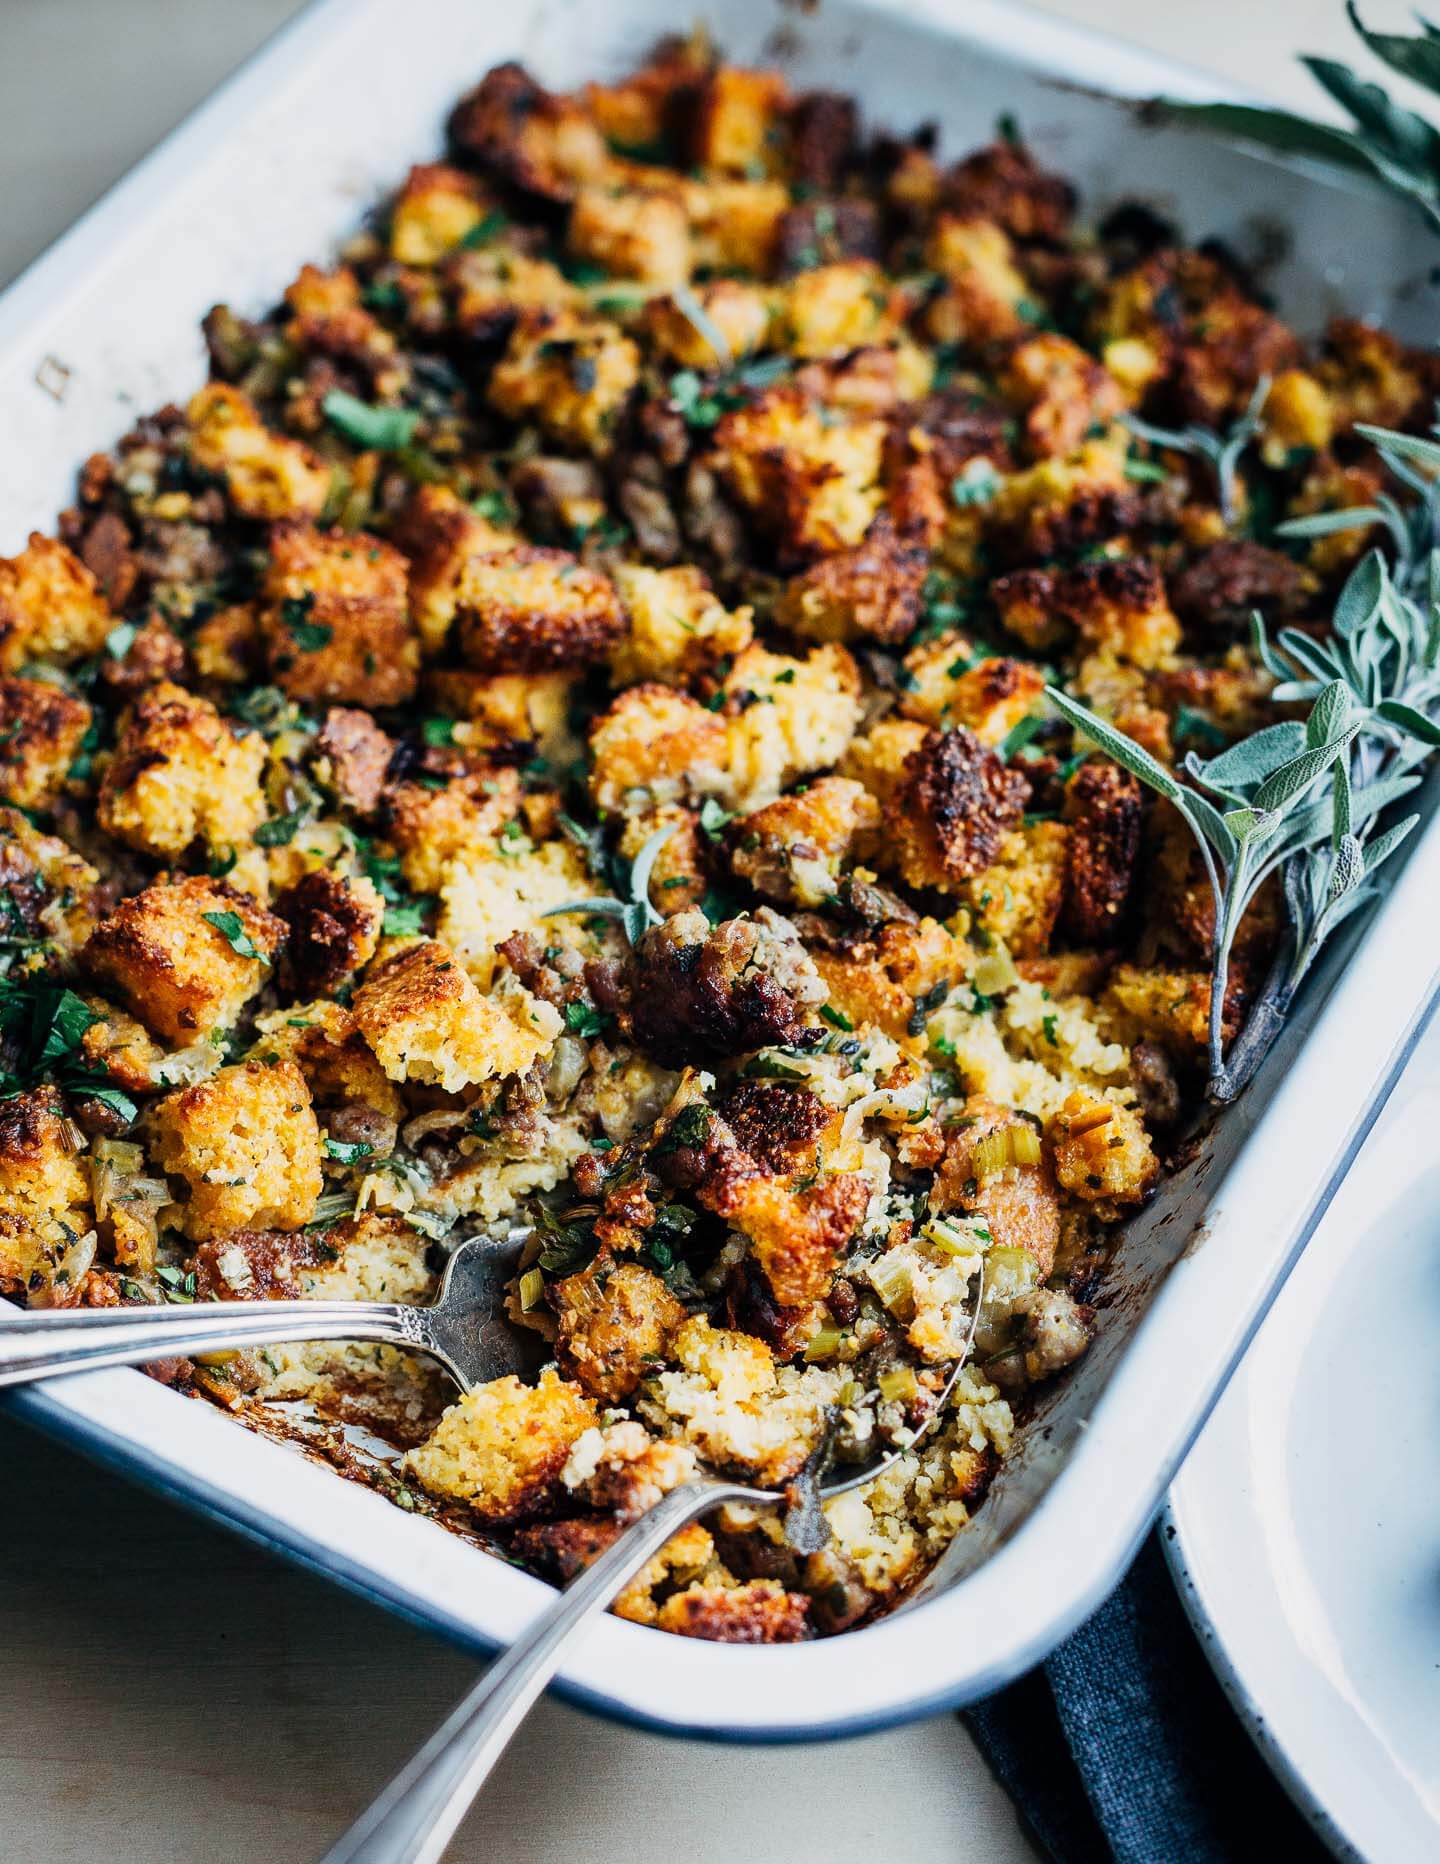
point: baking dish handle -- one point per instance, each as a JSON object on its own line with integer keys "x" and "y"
{"x": 417, "y": 1814}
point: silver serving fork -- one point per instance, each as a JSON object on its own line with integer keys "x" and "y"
{"x": 465, "y": 1329}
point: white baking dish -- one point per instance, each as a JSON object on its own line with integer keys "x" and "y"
{"x": 271, "y": 173}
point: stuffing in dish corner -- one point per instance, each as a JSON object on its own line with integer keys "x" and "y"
{"x": 678, "y": 470}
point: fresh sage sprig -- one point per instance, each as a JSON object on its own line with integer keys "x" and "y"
{"x": 1384, "y": 140}
{"x": 1414, "y": 529}
{"x": 1221, "y": 452}
{"x": 635, "y": 914}
{"x": 1301, "y": 800}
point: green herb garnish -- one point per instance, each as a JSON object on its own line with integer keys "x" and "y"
{"x": 1302, "y": 801}
{"x": 636, "y": 914}
{"x": 231, "y": 928}
{"x": 377, "y": 430}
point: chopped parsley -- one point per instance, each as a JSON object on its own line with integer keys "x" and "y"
{"x": 231, "y": 928}
{"x": 377, "y": 430}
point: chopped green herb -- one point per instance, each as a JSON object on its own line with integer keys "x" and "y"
{"x": 231, "y": 928}
{"x": 377, "y": 430}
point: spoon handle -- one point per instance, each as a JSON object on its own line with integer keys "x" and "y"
{"x": 415, "y": 1817}
{"x": 45, "y": 1342}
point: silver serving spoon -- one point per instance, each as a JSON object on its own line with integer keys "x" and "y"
{"x": 415, "y": 1817}
{"x": 466, "y": 1329}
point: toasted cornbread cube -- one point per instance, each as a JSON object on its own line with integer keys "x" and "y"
{"x": 528, "y": 609}
{"x": 874, "y": 591}
{"x": 832, "y": 309}
{"x": 494, "y": 285}
{"x": 324, "y": 1041}
{"x": 502, "y": 1447}
{"x": 789, "y": 717}
{"x": 328, "y": 314}
{"x": 1102, "y": 1154}
{"x": 185, "y": 956}
{"x": 729, "y": 308}
{"x": 878, "y": 759}
{"x": 486, "y": 896}
{"x": 1367, "y": 374}
{"x": 267, "y": 475}
{"x": 791, "y": 850}
{"x": 44, "y": 1191}
{"x": 640, "y": 233}
{"x": 41, "y": 728}
{"x": 614, "y": 1323}
{"x": 45, "y": 886}
{"x": 181, "y": 773}
{"x": 1060, "y": 506}
{"x": 946, "y": 686}
{"x": 245, "y": 1148}
{"x": 735, "y": 1406}
{"x": 426, "y": 1021}
{"x": 684, "y": 1557}
{"x": 739, "y": 118}
{"x": 620, "y": 1467}
{"x": 736, "y": 224}
{"x": 811, "y": 479}
{"x": 439, "y": 536}
{"x": 226, "y": 646}
{"x": 1062, "y": 389}
{"x": 760, "y": 1611}
{"x": 945, "y": 821}
{"x": 121, "y": 1047}
{"x": 1118, "y": 604}
{"x": 1164, "y": 1006}
{"x": 678, "y": 627}
{"x": 1018, "y": 897}
{"x": 655, "y": 745}
{"x": 51, "y": 607}
{"x": 521, "y": 133}
{"x": 334, "y": 929}
{"x": 571, "y": 374}
{"x": 1297, "y": 414}
{"x": 335, "y": 618}
{"x": 798, "y": 1234}
{"x": 431, "y": 826}
{"x": 434, "y": 211}
{"x": 881, "y": 979}
{"x": 509, "y": 711}
{"x": 984, "y": 290}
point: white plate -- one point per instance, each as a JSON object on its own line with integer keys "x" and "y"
{"x": 1307, "y": 1518}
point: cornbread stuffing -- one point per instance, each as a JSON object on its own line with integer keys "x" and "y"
{"x": 554, "y": 734}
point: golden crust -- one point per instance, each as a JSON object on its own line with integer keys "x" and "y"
{"x": 569, "y": 373}
{"x": 182, "y": 973}
{"x": 41, "y": 730}
{"x": 425, "y": 1021}
{"x": 1102, "y": 1154}
{"x": 335, "y": 619}
{"x": 615, "y": 1319}
{"x": 501, "y": 1448}
{"x": 181, "y": 774}
{"x": 944, "y": 823}
{"x": 528, "y": 609}
{"x": 51, "y": 607}
{"x": 266, "y": 475}
{"x": 242, "y": 1150}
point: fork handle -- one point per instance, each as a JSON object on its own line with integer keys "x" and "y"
{"x": 415, "y": 1817}
{"x": 43, "y": 1343}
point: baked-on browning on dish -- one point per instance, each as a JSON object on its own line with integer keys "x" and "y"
{"x": 555, "y": 732}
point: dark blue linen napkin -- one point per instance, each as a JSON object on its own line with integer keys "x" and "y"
{"x": 1122, "y": 1745}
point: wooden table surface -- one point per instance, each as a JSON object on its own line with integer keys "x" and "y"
{"x": 168, "y": 1692}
